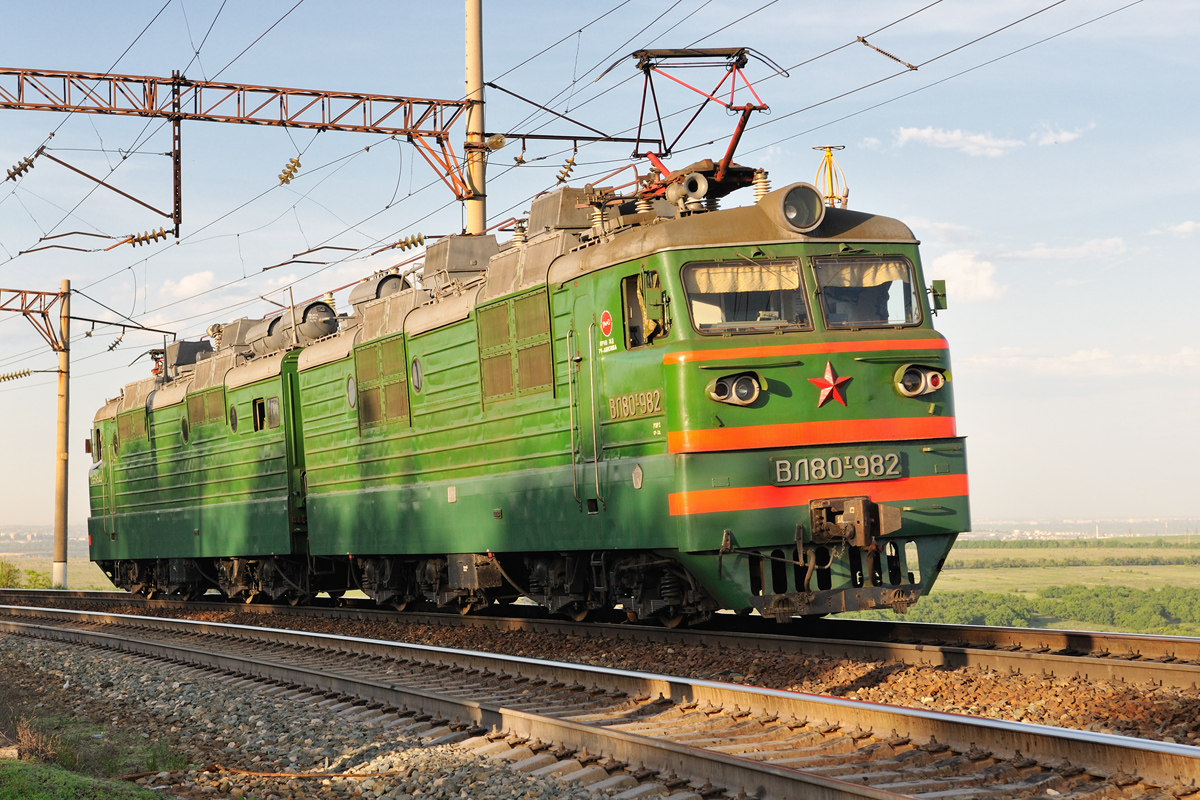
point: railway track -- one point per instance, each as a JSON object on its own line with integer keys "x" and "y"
{"x": 646, "y": 734}
{"x": 1172, "y": 661}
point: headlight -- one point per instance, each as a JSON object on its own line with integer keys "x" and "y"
{"x": 737, "y": 390}
{"x": 745, "y": 390}
{"x": 913, "y": 380}
{"x": 803, "y": 207}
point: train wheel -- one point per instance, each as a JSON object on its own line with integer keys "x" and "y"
{"x": 670, "y": 618}
{"x": 471, "y": 608}
{"x": 576, "y": 612}
{"x": 398, "y": 605}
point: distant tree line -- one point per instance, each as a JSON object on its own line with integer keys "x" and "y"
{"x": 1131, "y": 542}
{"x": 1074, "y": 561}
{"x": 1170, "y": 610}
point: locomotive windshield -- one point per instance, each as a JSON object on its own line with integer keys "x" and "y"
{"x": 752, "y": 296}
{"x": 867, "y": 292}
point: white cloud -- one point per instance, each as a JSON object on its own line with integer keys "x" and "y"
{"x": 973, "y": 144}
{"x": 869, "y": 143}
{"x": 984, "y": 144}
{"x": 1089, "y": 363}
{"x": 1182, "y": 229}
{"x": 944, "y": 234}
{"x": 966, "y": 277}
{"x": 187, "y": 285}
{"x": 1093, "y": 248}
{"x": 1048, "y": 135}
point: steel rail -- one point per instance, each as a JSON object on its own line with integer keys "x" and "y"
{"x": 1059, "y": 753}
{"x": 1121, "y": 657}
{"x": 761, "y": 779}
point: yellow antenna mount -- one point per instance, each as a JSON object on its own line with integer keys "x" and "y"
{"x": 830, "y": 178}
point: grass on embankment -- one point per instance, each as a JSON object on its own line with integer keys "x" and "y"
{"x": 23, "y": 780}
{"x": 68, "y": 751}
{"x": 33, "y": 572}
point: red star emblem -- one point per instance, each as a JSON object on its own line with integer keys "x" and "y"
{"x": 829, "y": 385}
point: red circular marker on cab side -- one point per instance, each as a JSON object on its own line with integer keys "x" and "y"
{"x": 606, "y": 323}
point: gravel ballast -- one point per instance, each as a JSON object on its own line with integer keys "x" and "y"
{"x": 213, "y": 721}
{"x": 1143, "y": 710}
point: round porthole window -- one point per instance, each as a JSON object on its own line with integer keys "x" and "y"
{"x": 233, "y": 418}
{"x": 351, "y": 392}
{"x": 185, "y": 429}
{"x": 416, "y": 375}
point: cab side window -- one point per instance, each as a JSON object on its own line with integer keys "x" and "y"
{"x": 644, "y": 306}
{"x": 260, "y": 413}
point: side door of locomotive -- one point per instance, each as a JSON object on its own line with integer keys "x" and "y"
{"x": 585, "y": 343}
{"x": 620, "y": 403}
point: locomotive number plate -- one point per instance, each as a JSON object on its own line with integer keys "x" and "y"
{"x": 637, "y": 404}
{"x": 832, "y": 469}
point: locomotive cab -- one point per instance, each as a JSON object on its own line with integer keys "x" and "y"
{"x": 785, "y": 356}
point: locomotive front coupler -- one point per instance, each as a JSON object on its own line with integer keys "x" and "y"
{"x": 856, "y": 521}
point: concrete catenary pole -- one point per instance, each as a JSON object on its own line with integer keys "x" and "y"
{"x": 59, "y": 577}
{"x": 476, "y": 154}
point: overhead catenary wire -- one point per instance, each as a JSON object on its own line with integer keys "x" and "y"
{"x": 603, "y": 61}
{"x": 194, "y": 58}
{"x": 113, "y": 66}
{"x": 777, "y": 118}
{"x": 735, "y": 22}
{"x": 907, "y": 16}
{"x": 579, "y": 30}
{"x": 630, "y": 78}
{"x": 259, "y": 38}
{"x": 743, "y": 17}
{"x": 940, "y": 81}
{"x": 875, "y": 83}
{"x": 149, "y": 122}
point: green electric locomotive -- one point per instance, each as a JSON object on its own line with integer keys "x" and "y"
{"x": 643, "y": 402}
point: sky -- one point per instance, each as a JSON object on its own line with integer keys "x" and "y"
{"x": 1047, "y": 155}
